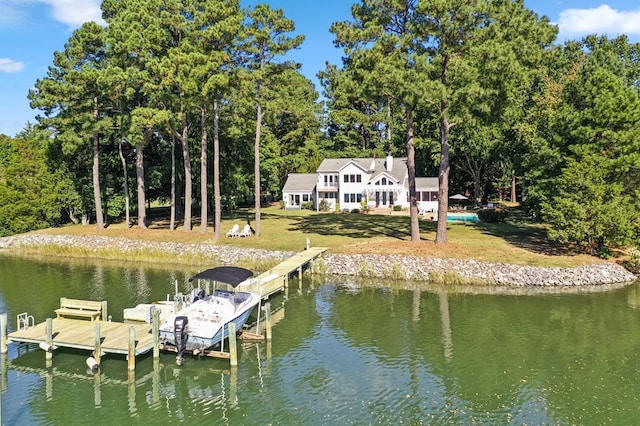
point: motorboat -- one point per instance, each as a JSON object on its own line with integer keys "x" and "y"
{"x": 204, "y": 320}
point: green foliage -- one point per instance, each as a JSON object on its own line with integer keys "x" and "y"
{"x": 588, "y": 209}
{"x": 33, "y": 195}
{"x": 585, "y": 174}
{"x": 493, "y": 215}
{"x": 324, "y": 205}
{"x": 634, "y": 260}
{"x": 565, "y": 118}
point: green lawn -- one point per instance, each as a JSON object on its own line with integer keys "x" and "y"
{"x": 517, "y": 241}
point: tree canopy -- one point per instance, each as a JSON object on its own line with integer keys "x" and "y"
{"x": 474, "y": 91}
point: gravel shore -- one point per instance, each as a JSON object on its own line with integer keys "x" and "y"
{"x": 370, "y": 265}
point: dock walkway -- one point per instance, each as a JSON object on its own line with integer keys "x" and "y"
{"x": 276, "y": 278}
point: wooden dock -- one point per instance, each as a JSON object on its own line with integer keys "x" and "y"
{"x": 100, "y": 337}
{"x": 277, "y": 278}
{"x": 136, "y": 338}
{"x": 80, "y": 334}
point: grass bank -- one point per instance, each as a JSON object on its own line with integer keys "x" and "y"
{"x": 518, "y": 241}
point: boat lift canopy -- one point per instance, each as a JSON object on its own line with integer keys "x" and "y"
{"x": 232, "y": 275}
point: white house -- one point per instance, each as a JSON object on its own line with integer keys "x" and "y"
{"x": 350, "y": 182}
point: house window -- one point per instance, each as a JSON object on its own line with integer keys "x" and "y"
{"x": 305, "y": 197}
{"x": 346, "y": 178}
{"x": 434, "y": 195}
{"x": 358, "y": 178}
{"x": 326, "y": 179}
{"x": 384, "y": 181}
{"x": 352, "y": 198}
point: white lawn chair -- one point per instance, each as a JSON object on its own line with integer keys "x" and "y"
{"x": 234, "y": 231}
{"x": 246, "y": 231}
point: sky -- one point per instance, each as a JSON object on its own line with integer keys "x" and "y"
{"x": 32, "y": 30}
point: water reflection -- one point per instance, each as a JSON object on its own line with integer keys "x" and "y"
{"x": 342, "y": 352}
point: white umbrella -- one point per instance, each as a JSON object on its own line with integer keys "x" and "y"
{"x": 458, "y": 197}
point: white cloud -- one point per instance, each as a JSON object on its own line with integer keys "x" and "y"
{"x": 9, "y": 66}
{"x": 9, "y": 13}
{"x": 575, "y": 23}
{"x": 75, "y": 12}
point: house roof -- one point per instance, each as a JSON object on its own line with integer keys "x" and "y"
{"x": 426, "y": 183}
{"x": 375, "y": 166}
{"x": 300, "y": 182}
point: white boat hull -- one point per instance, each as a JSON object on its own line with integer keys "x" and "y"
{"x": 207, "y": 321}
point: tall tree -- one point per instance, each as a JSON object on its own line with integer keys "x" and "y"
{"x": 266, "y": 40}
{"x": 457, "y": 35}
{"x": 592, "y": 197}
{"x": 387, "y": 58}
{"x": 139, "y": 37}
{"x": 73, "y": 101}
{"x": 213, "y": 46}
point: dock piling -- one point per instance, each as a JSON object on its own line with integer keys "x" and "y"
{"x": 104, "y": 311}
{"x": 131, "y": 359}
{"x": 233, "y": 348}
{"x": 3, "y": 332}
{"x": 155, "y": 325}
{"x": 267, "y": 320}
{"x": 97, "y": 352}
{"x": 49, "y": 339}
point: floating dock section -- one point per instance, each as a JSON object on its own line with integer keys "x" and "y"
{"x": 100, "y": 337}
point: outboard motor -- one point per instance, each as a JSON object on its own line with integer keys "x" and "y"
{"x": 180, "y": 335}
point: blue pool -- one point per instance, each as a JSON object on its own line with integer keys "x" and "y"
{"x": 462, "y": 217}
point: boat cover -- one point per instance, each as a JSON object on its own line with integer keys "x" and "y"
{"x": 232, "y": 275}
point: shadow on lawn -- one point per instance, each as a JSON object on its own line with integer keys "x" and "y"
{"x": 518, "y": 230}
{"x": 357, "y": 225}
{"x": 522, "y": 233}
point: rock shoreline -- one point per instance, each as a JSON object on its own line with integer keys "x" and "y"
{"x": 363, "y": 265}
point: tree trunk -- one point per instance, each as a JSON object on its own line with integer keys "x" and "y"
{"x": 188, "y": 179}
{"x": 126, "y": 184}
{"x": 411, "y": 169}
{"x": 172, "y": 224}
{"x": 142, "y": 209}
{"x": 443, "y": 182}
{"x": 256, "y": 167}
{"x": 513, "y": 186}
{"x": 97, "y": 198}
{"x": 477, "y": 189}
{"x": 203, "y": 173}
{"x": 216, "y": 170}
{"x": 96, "y": 182}
{"x": 389, "y": 120}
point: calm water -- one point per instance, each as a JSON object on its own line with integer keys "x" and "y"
{"x": 341, "y": 354}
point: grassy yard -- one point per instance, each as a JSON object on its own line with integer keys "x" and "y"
{"x": 518, "y": 241}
